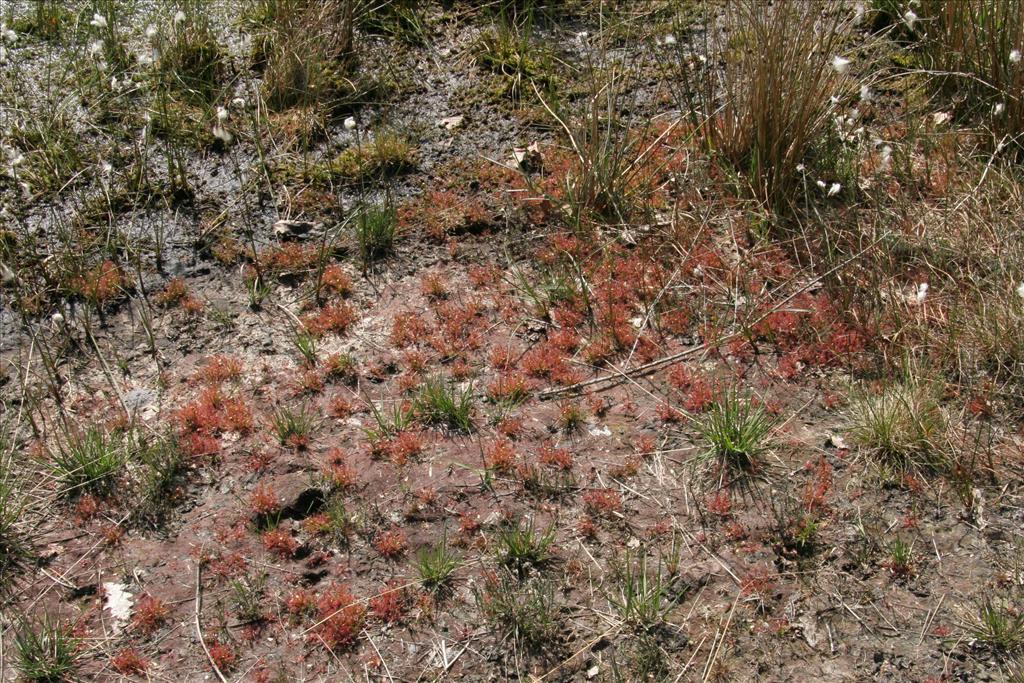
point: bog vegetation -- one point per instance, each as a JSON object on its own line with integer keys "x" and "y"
{"x": 527, "y": 339}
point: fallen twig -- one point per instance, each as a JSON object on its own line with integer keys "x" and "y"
{"x": 199, "y": 628}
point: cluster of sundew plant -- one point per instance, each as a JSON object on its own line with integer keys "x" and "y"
{"x": 737, "y": 436}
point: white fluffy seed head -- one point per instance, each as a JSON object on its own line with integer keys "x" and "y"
{"x": 921, "y": 294}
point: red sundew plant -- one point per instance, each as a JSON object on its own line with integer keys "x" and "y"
{"x": 378, "y": 447}
{"x": 627, "y": 468}
{"x": 555, "y": 457}
{"x": 462, "y": 370}
{"x": 831, "y": 401}
{"x": 87, "y": 507}
{"x": 680, "y": 377}
{"x": 912, "y": 483}
{"x": 336, "y": 456}
{"x": 340, "y": 406}
{"x": 251, "y": 632}
{"x": 218, "y": 369}
{"x": 565, "y": 340}
{"x": 758, "y": 583}
{"x": 720, "y": 504}
{"x": 660, "y": 528}
{"x": 414, "y": 360}
{"x": 597, "y": 405}
{"x": 599, "y": 351}
{"x": 699, "y": 396}
{"x": 258, "y": 460}
{"x": 980, "y": 405}
{"x": 501, "y": 456}
{"x": 119, "y": 423}
{"x": 510, "y": 309}
{"x": 546, "y": 361}
{"x": 223, "y": 655}
{"x": 571, "y": 417}
{"x": 586, "y": 528}
{"x": 340, "y": 367}
{"x": 818, "y": 488}
{"x": 263, "y": 501}
{"x": 675, "y": 321}
{"x": 112, "y": 534}
{"x": 336, "y": 281}
{"x": 567, "y": 317}
{"x": 309, "y": 381}
{"x": 501, "y": 357}
{"x": 779, "y": 327}
{"x": 290, "y": 259}
{"x": 427, "y": 497}
{"x": 670, "y": 414}
{"x": 510, "y": 427}
{"x": 173, "y": 293}
{"x": 340, "y": 619}
{"x": 317, "y": 524}
{"x": 340, "y": 475}
{"x": 697, "y": 392}
{"x": 391, "y": 604}
{"x": 336, "y": 318}
{"x": 603, "y": 502}
{"x": 408, "y": 382}
{"x": 149, "y": 614}
{"x": 192, "y": 305}
{"x": 228, "y": 566}
{"x": 734, "y": 531}
{"x": 237, "y": 416}
{"x": 391, "y": 544}
{"x": 645, "y": 446}
{"x": 469, "y": 525}
{"x": 704, "y": 264}
{"x": 483, "y": 276}
{"x": 457, "y": 320}
{"x": 100, "y": 285}
{"x": 408, "y": 328}
{"x": 508, "y": 387}
{"x": 210, "y": 415}
{"x": 789, "y": 366}
{"x": 204, "y": 414}
{"x": 444, "y": 213}
{"x": 129, "y": 662}
{"x": 281, "y": 543}
{"x": 405, "y": 445}
{"x": 451, "y": 343}
{"x": 434, "y": 286}
{"x": 200, "y": 445}
{"x": 645, "y": 349}
{"x": 613, "y": 320}
{"x": 300, "y": 603}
